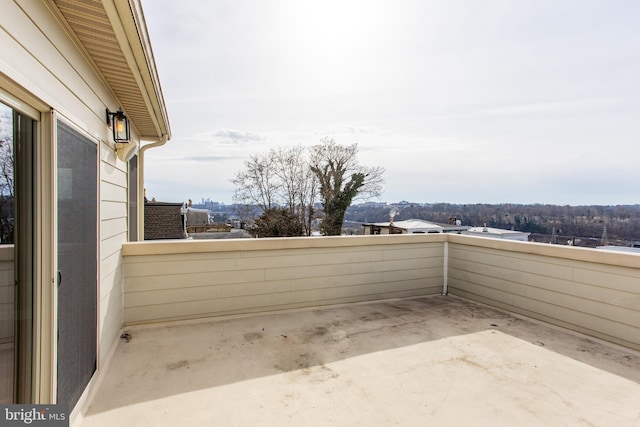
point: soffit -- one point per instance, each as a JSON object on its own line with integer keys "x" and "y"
{"x": 115, "y": 38}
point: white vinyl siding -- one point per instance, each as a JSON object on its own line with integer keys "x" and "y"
{"x": 587, "y": 290}
{"x": 552, "y": 284}
{"x": 38, "y": 54}
{"x": 268, "y": 275}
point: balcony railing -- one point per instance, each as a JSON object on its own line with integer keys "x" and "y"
{"x": 586, "y": 290}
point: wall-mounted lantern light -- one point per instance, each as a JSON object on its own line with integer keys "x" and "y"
{"x": 119, "y": 126}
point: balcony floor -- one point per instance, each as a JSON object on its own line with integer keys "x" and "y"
{"x": 439, "y": 361}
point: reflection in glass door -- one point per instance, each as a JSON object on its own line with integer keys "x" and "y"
{"x": 7, "y": 292}
{"x": 17, "y": 145}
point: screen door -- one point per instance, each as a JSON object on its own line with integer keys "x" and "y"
{"x": 77, "y": 194}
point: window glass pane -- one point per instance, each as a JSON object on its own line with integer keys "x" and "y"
{"x": 17, "y": 148}
{"x": 7, "y": 292}
{"x": 6, "y": 175}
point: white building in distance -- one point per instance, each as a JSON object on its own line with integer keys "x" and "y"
{"x": 498, "y": 233}
{"x": 412, "y": 226}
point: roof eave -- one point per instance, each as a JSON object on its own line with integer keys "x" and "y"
{"x": 122, "y": 57}
{"x": 133, "y": 21}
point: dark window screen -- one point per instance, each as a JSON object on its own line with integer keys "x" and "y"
{"x": 77, "y": 261}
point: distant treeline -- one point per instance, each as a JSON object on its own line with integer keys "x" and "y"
{"x": 621, "y": 221}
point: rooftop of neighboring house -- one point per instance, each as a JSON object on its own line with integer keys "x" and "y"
{"x": 412, "y": 225}
{"x": 494, "y": 231}
{"x": 630, "y": 249}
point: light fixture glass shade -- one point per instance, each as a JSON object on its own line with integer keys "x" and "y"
{"x": 119, "y": 126}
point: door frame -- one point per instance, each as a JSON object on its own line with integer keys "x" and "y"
{"x": 43, "y": 358}
{"x": 56, "y": 118}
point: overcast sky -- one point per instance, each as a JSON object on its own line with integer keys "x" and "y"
{"x": 460, "y": 101}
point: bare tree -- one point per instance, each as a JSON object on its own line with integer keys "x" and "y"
{"x": 342, "y": 180}
{"x": 298, "y": 184}
{"x": 7, "y": 187}
{"x": 258, "y": 183}
{"x": 6, "y": 169}
{"x": 279, "y": 178}
{"x": 293, "y": 179}
{"x": 6, "y": 154}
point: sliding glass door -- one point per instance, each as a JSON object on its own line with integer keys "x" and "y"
{"x": 17, "y": 156}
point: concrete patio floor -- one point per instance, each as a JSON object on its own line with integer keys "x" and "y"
{"x": 440, "y": 361}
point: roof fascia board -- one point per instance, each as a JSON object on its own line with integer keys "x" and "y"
{"x": 144, "y": 51}
{"x": 126, "y": 33}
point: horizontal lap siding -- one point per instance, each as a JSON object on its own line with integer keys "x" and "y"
{"x": 178, "y": 286}
{"x": 601, "y": 300}
{"x": 48, "y": 64}
{"x": 113, "y": 233}
{"x": 584, "y": 290}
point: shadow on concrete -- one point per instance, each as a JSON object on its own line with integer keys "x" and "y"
{"x": 182, "y": 357}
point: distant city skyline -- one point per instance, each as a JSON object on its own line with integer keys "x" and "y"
{"x": 461, "y": 102}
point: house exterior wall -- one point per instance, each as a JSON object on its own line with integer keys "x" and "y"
{"x": 113, "y": 231}
{"x": 190, "y": 279}
{"x": 41, "y": 58}
{"x": 585, "y": 290}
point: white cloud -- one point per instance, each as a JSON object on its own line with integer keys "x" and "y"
{"x": 491, "y": 101}
{"x": 230, "y": 136}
